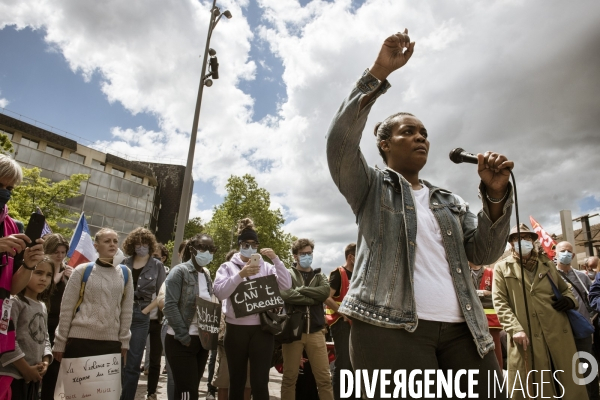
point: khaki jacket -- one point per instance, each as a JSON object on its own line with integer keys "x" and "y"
{"x": 551, "y": 334}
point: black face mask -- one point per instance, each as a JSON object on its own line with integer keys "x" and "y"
{"x": 5, "y": 195}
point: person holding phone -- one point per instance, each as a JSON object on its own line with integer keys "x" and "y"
{"x": 244, "y": 338}
{"x": 13, "y": 277}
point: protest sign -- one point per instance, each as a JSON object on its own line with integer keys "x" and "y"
{"x": 95, "y": 377}
{"x": 209, "y": 320}
{"x": 255, "y": 296}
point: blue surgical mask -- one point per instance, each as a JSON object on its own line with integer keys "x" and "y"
{"x": 565, "y": 257}
{"x": 526, "y": 247}
{"x": 142, "y": 250}
{"x": 248, "y": 252}
{"x": 203, "y": 258}
{"x": 4, "y": 197}
{"x": 305, "y": 260}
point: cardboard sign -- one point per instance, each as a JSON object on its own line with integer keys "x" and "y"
{"x": 255, "y": 296}
{"x": 96, "y": 377}
{"x": 209, "y": 320}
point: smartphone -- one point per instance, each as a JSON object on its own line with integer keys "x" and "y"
{"x": 35, "y": 228}
{"x": 254, "y": 260}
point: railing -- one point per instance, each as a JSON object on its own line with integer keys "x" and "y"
{"x": 89, "y": 143}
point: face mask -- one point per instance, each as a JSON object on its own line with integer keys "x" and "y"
{"x": 142, "y": 251}
{"x": 248, "y": 252}
{"x": 592, "y": 274}
{"x": 203, "y": 257}
{"x": 526, "y": 247}
{"x": 305, "y": 261}
{"x": 565, "y": 257}
{"x": 4, "y": 197}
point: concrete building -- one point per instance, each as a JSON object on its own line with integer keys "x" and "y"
{"x": 120, "y": 194}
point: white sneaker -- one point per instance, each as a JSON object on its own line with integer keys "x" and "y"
{"x": 210, "y": 396}
{"x": 151, "y": 397}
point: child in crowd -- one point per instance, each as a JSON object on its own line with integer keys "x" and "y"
{"x": 27, "y": 364}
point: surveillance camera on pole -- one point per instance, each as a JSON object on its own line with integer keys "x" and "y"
{"x": 215, "y": 17}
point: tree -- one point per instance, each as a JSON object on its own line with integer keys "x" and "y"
{"x": 6, "y": 146}
{"x": 193, "y": 227}
{"x": 169, "y": 245}
{"x": 245, "y": 199}
{"x": 37, "y": 191}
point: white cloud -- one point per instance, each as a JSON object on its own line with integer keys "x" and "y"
{"x": 528, "y": 89}
{"x": 3, "y": 102}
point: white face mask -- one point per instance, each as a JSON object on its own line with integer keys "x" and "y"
{"x": 526, "y": 247}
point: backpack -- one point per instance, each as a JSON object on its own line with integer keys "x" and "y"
{"x": 86, "y": 275}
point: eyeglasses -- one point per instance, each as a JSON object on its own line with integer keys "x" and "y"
{"x": 246, "y": 245}
{"x": 307, "y": 253}
{"x": 203, "y": 247}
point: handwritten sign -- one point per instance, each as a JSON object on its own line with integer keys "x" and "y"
{"x": 96, "y": 377}
{"x": 255, "y": 296}
{"x": 209, "y": 320}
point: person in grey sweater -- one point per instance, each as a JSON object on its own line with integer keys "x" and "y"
{"x": 100, "y": 325}
{"x": 27, "y": 364}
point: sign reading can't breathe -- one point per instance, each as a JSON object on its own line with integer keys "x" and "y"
{"x": 255, "y": 296}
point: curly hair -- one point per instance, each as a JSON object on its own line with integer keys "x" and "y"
{"x": 302, "y": 243}
{"x": 53, "y": 241}
{"x": 139, "y": 236}
{"x": 383, "y": 131}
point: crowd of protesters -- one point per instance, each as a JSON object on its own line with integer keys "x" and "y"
{"x": 427, "y": 285}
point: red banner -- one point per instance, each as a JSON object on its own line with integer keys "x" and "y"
{"x": 546, "y": 240}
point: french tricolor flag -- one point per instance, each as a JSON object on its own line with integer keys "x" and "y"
{"x": 81, "y": 248}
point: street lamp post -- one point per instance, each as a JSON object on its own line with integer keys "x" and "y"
{"x": 184, "y": 202}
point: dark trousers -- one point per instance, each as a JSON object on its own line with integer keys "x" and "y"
{"x": 592, "y": 387}
{"x": 156, "y": 350}
{"x": 243, "y": 343}
{"x": 24, "y": 391}
{"x": 433, "y": 345}
{"x": 49, "y": 381}
{"x": 187, "y": 365}
{"x": 340, "y": 332}
{"x": 212, "y": 360}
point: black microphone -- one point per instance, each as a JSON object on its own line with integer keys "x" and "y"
{"x": 459, "y": 155}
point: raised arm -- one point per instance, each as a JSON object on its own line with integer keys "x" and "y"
{"x": 347, "y": 165}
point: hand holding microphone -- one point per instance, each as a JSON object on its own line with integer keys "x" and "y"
{"x": 493, "y": 168}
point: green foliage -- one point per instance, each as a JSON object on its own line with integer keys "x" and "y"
{"x": 193, "y": 227}
{"x": 169, "y": 245}
{"x": 245, "y": 199}
{"x": 6, "y": 146}
{"x": 37, "y": 191}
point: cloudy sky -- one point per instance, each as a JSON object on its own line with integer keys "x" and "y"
{"x": 517, "y": 77}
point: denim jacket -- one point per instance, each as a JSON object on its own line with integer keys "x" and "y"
{"x": 150, "y": 280}
{"x": 381, "y": 289}
{"x": 180, "y": 298}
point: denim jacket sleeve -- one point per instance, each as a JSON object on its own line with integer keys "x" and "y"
{"x": 484, "y": 240}
{"x": 171, "y": 309}
{"x": 347, "y": 165}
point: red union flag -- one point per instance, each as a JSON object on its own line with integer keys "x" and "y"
{"x": 546, "y": 240}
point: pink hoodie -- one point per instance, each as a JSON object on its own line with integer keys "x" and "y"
{"x": 228, "y": 278}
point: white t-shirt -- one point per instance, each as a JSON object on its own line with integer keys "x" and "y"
{"x": 203, "y": 287}
{"x": 435, "y": 295}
